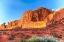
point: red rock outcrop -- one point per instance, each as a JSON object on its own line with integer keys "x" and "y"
{"x": 35, "y": 19}
{"x": 3, "y": 26}
{"x": 12, "y": 24}
{"x": 58, "y": 17}
{"x": 32, "y": 19}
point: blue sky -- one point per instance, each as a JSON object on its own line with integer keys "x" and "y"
{"x": 13, "y": 9}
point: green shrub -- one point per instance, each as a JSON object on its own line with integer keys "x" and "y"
{"x": 22, "y": 40}
{"x": 47, "y": 38}
{"x": 33, "y": 39}
{"x": 43, "y": 39}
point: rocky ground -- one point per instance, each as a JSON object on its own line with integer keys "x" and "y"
{"x": 53, "y": 29}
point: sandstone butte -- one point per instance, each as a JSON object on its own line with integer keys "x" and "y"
{"x": 39, "y": 18}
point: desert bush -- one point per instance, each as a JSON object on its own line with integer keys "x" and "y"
{"x": 43, "y": 39}
{"x": 22, "y": 40}
{"x": 33, "y": 39}
{"x": 56, "y": 35}
{"x": 47, "y": 38}
{"x": 11, "y": 37}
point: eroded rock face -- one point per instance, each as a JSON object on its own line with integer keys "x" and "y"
{"x": 10, "y": 25}
{"x": 59, "y": 15}
{"x": 31, "y": 19}
{"x": 13, "y": 23}
{"x": 3, "y": 26}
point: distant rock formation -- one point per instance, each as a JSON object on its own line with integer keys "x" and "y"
{"x": 12, "y": 24}
{"x": 35, "y": 19}
{"x": 3, "y": 26}
{"x": 58, "y": 17}
{"x": 39, "y": 18}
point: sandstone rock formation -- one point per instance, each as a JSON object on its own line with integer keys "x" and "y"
{"x": 3, "y": 26}
{"x": 39, "y": 18}
{"x": 12, "y": 24}
{"x": 57, "y": 17}
{"x": 35, "y": 19}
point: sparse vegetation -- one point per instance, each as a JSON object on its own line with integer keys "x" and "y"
{"x": 47, "y": 38}
{"x": 40, "y": 39}
{"x": 11, "y": 37}
{"x": 33, "y": 39}
{"x": 56, "y": 35}
{"x": 22, "y": 40}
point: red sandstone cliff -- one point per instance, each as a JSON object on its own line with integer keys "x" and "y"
{"x": 34, "y": 19}
{"x": 12, "y": 24}
{"x": 37, "y": 18}
{"x": 57, "y": 17}
{"x": 3, "y": 26}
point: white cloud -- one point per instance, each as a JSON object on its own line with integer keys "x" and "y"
{"x": 53, "y": 9}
